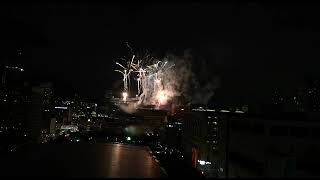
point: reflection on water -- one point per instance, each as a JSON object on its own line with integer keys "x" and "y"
{"x": 85, "y": 160}
{"x": 114, "y": 166}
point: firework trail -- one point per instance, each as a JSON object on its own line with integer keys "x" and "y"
{"x": 149, "y": 73}
{"x": 160, "y": 80}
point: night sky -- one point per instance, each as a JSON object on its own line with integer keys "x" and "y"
{"x": 252, "y": 47}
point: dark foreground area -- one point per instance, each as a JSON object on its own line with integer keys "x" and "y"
{"x": 81, "y": 160}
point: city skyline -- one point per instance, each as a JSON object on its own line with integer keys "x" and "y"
{"x": 193, "y": 89}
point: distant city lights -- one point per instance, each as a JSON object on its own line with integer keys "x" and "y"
{"x": 201, "y": 162}
{"x": 58, "y": 107}
{"x": 202, "y": 109}
{"x": 224, "y": 110}
{"x": 11, "y": 67}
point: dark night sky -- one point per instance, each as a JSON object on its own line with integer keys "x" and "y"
{"x": 252, "y": 47}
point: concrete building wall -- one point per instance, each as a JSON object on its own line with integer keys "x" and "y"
{"x": 279, "y": 149}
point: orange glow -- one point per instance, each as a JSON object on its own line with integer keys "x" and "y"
{"x": 194, "y": 157}
{"x": 162, "y": 98}
{"x": 124, "y": 95}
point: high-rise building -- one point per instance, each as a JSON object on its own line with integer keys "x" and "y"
{"x": 153, "y": 120}
{"x": 273, "y": 146}
{"x": 47, "y": 89}
{"x": 52, "y": 126}
{"x": 171, "y": 134}
{"x": 203, "y": 144}
{"x": 40, "y": 112}
{"x": 35, "y": 113}
{"x": 278, "y": 101}
{"x": 67, "y": 117}
{"x": 313, "y": 91}
{"x": 13, "y": 101}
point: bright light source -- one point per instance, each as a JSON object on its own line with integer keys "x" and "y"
{"x": 201, "y": 162}
{"x": 182, "y": 109}
{"x": 60, "y": 107}
{"x": 128, "y": 138}
{"x": 162, "y": 98}
{"x": 124, "y": 95}
{"x": 224, "y": 110}
{"x": 77, "y": 140}
{"x": 89, "y": 120}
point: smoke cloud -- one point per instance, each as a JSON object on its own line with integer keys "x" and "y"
{"x": 171, "y": 76}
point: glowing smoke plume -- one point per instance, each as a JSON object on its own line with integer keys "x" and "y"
{"x": 159, "y": 80}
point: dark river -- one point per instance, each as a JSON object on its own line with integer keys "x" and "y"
{"x": 81, "y": 160}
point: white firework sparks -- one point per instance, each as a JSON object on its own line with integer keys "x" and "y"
{"x": 150, "y": 76}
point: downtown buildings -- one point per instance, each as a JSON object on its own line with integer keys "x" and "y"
{"x": 26, "y": 109}
{"x": 221, "y": 143}
{"x": 41, "y": 123}
{"x": 14, "y": 101}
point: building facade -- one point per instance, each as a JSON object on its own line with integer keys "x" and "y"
{"x": 203, "y": 141}
{"x": 40, "y": 112}
{"x": 282, "y": 146}
{"x": 14, "y": 101}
